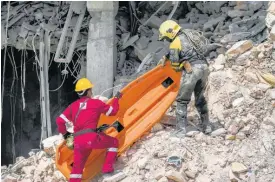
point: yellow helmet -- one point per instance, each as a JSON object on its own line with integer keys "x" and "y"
{"x": 168, "y": 29}
{"x": 83, "y": 84}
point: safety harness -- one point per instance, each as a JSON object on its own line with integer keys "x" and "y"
{"x": 69, "y": 140}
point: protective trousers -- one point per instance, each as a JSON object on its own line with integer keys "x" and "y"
{"x": 83, "y": 146}
{"x": 194, "y": 81}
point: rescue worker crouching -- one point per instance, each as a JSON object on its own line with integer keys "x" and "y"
{"x": 85, "y": 113}
{"x": 185, "y": 57}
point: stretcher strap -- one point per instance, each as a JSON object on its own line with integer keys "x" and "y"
{"x": 64, "y": 118}
{"x": 83, "y": 132}
{"x": 76, "y": 176}
{"x": 112, "y": 149}
{"x": 109, "y": 111}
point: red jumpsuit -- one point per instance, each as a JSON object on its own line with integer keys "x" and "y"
{"x": 83, "y": 144}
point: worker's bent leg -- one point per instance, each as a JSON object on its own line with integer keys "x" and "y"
{"x": 187, "y": 85}
{"x": 200, "y": 101}
{"x": 111, "y": 143}
{"x": 80, "y": 158}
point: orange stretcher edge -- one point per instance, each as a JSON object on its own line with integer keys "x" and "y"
{"x": 144, "y": 102}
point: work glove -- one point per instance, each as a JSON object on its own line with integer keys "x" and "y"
{"x": 118, "y": 95}
{"x": 66, "y": 135}
{"x": 162, "y": 61}
{"x": 102, "y": 128}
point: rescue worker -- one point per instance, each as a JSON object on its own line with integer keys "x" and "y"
{"x": 185, "y": 56}
{"x": 85, "y": 113}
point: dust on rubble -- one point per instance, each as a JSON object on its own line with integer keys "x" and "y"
{"x": 242, "y": 148}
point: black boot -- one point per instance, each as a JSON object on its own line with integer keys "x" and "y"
{"x": 181, "y": 116}
{"x": 206, "y": 127}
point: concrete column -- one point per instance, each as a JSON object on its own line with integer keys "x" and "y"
{"x": 101, "y": 47}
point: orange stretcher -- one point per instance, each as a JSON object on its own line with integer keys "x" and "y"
{"x": 144, "y": 102}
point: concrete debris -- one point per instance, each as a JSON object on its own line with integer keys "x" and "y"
{"x": 233, "y": 177}
{"x": 163, "y": 179}
{"x": 237, "y": 167}
{"x": 241, "y": 104}
{"x": 176, "y": 176}
{"x": 142, "y": 162}
{"x": 129, "y": 42}
{"x": 237, "y": 102}
{"x": 142, "y": 43}
{"x": 218, "y": 132}
{"x": 157, "y": 127}
{"x": 28, "y": 18}
{"x": 220, "y": 60}
{"x": 114, "y": 178}
{"x": 272, "y": 33}
{"x": 190, "y": 174}
{"x": 270, "y": 20}
{"x": 154, "y": 22}
{"x": 239, "y": 48}
{"x": 230, "y": 137}
{"x": 38, "y": 167}
{"x": 271, "y": 94}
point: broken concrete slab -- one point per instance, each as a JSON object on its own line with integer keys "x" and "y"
{"x": 208, "y": 26}
{"x": 154, "y": 22}
{"x": 129, "y": 42}
{"x": 239, "y": 48}
{"x": 238, "y": 168}
{"x": 218, "y": 132}
{"x": 255, "y": 5}
{"x": 176, "y": 176}
{"x": 234, "y": 37}
{"x": 233, "y": 177}
{"x": 143, "y": 42}
{"x": 169, "y": 120}
{"x": 152, "y": 47}
{"x": 239, "y": 13}
{"x": 163, "y": 179}
{"x": 114, "y": 178}
{"x": 220, "y": 60}
{"x": 238, "y": 102}
{"x": 270, "y": 20}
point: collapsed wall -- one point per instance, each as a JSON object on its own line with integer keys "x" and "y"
{"x": 243, "y": 105}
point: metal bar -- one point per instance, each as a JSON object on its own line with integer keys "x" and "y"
{"x": 46, "y": 77}
{"x": 42, "y": 88}
{"x": 75, "y": 35}
{"x": 64, "y": 32}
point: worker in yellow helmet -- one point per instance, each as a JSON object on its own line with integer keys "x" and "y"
{"x": 84, "y": 113}
{"x": 185, "y": 55}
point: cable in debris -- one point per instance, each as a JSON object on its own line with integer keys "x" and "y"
{"x": 111, "y": 88}
{"x": 176, "y": 4}
{"x": 23, "y": 56}
{"x": 5, "y": 55}
{"x": 154, "y": 14}
{"x": 60, "y": 85}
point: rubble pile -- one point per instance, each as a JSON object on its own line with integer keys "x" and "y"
{"x": 38, "y": 167}
{"x": 241, "y": 100}
{"x": 241, "y": 148}
{"x": 242, "y": 111}
{"x": 26, "y": 19}
{"x": 223, "y": 23}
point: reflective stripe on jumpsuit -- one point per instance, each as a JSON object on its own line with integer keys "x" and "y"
{"x": 85, "y": 143}
{"x": 83, "y": 146}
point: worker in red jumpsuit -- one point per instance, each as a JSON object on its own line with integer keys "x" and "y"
{"x": 85, "y": 113}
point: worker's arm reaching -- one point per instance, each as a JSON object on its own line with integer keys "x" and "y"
{"x": 62, "y": 119}
{"x": 111, "y": 110}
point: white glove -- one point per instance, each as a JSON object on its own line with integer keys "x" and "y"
{"x": 162, "y": 61}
